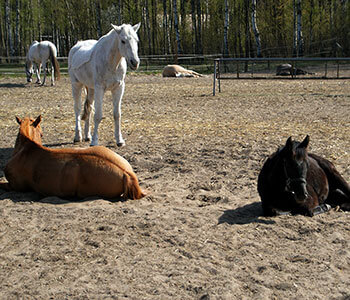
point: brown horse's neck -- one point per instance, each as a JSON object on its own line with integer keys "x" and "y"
{"x": 22, "y": 140}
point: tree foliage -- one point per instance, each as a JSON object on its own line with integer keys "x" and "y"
{"x": 180, "y": 26}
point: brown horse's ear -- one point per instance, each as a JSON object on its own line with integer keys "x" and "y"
{"x": 19, "y": 121}
{"x": 304, "y": 143}
{"x": 37, "y": 121}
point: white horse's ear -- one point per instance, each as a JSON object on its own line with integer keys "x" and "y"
{"x": 118, "y": 29}
{"x": 137, "y": 27}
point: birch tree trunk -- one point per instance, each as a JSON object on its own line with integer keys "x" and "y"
{"x": 39, "y": 21}
{"x": 148, "y": 30}
{"x": 10, "y": 50}
{"x": 176, "y": 28}
{"x": 225, "y": 54}
{"x": 255, "y": 30}
{"x": 17, "y": 36}
{"x": 300, "y": 41}
{"x": 199, "y": 26}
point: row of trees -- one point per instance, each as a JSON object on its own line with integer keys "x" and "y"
{"x": 236, "y": 28}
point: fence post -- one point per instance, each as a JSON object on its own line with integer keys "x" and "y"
{"x": 214, "y": 82}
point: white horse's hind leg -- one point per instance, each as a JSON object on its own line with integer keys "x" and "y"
{"x": 117, "y": 96}
{"x": 87, "y": 112}
{"x": 44, "y": 68}
{"x": 76, "y": 91}
{"x": 52, "y": 75}
{"x": 98, "y": 95}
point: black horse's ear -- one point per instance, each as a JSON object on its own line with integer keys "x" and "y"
{"x": 37, "y": 121}
{"x": 289, "y": 144}
{"x": 19, "y": 121}
{"x": 304, "y": 143}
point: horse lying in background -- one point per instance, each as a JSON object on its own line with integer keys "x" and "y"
{"x": 74, "y": 172}
{"x": 288, "y": 70}
{"x": 295, "y": 181}
{"x": 178, "y": 71}
{"x": 37, "y": 56}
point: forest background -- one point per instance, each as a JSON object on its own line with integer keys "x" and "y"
{"x": 234, "y": 28}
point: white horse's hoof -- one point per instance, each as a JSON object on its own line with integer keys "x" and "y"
{"x": 88, "y": 139}
{"x": 121, "y": 144}
{"x": 77, "y": 139}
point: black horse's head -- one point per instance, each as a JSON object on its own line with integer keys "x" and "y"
{"x": 295, "y": 166}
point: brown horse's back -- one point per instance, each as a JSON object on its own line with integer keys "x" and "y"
{"x": 95, "y": 171}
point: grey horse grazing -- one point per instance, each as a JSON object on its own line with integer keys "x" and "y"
{"x": 37, "y": 56}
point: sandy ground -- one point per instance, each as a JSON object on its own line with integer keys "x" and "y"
{"x": 200, "y": 233}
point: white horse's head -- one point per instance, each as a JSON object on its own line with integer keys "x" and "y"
{"x": 128, "y": 40}
{"x": 29, "y": 70}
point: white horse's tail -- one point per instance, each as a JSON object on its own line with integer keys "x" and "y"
{"x": 87, "y": 107}
{"x": 55, "y": 63}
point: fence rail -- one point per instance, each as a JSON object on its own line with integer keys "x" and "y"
{"x": 220, "y": 62}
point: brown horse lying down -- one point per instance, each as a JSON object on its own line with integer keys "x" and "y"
{"x": 73, "y": 172}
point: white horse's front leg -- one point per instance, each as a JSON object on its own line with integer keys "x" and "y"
{"x": 117, "y": 96}
{"x": 44, "y": 67}
{"x": 98, "y": 95}
{"x": 76, "y": 91}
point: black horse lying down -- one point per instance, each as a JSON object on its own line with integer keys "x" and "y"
{"x": 297, "y": 182}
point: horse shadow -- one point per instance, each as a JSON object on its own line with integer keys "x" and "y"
{"x": 12, "y": 85}
{"x": 22, "y": 197}
{"x": 246, "y": 214}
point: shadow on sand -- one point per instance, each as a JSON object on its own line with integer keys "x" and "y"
{"x": 19, "y": 197}
{"x": 247, "y": 214}
{"x": 12, "y": 85}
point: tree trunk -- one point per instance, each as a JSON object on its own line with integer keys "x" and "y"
{"x": 10, "y": 50}
{"x": 166, "y": 38}
{"x": 17, "y": 37}
{"x": 311, "y": 26}
{"x": 176, "y": 28}
{"x": 148, "y": 30}
{"x": 225, "y": 52}
{"x": 39, "y": 21}
{"x": 194, "y": 27}
{"x": 98, "y": 18}
{"x": 255, "y": 30}
{"x": 300, "y": 41}
{"x": 247, "y": 33}
{"x": 199, "y": 26}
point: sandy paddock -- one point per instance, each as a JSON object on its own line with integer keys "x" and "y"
{"x": 200, "y": 233}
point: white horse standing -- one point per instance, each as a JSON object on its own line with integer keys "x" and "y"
{"x": 100, "y": 66}
{"x": 37, "y": 56}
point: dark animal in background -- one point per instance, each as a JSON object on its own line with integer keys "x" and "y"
{"x": 297, "y": 182}
{"x": 287, "y": 70}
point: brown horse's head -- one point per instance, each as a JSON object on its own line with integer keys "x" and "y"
{"x": 29, "y": 129}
